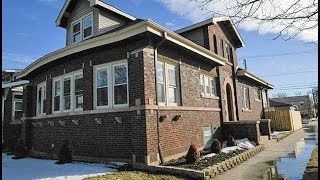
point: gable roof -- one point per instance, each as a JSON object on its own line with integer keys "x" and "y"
{"x": 135, "y": 29}
{"x": 64, "y": 13}
{"x": 215, "y": 21}
{"x": 255, "y": 78}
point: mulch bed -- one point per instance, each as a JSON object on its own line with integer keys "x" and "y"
{"x": 204, "y": 163}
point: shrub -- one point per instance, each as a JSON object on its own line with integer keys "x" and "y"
{"x": 65, "y": 154}
{"x": 216, "y": 146}
{"x": 231, "y": 141}
{"x": 193, "y": 154}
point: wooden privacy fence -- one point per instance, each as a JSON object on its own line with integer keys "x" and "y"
{"x": 285, "y": 120}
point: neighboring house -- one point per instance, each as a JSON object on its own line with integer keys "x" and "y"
{"x": 274, "y": 106}
{"x": 12, "y": 97}
{"x": 123, "y": 87}
{"x": 304, "y": 104}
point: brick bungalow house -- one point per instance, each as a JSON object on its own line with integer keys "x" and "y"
{"x": 128, "y": 89}
{"x": 12, "y": 94}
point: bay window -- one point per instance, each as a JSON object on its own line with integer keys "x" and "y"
{"x": 78, "y": 91}
{"x": 66, "y": 103}
{"x": 111, "y": 85}
{"x": 67, "y": 92}
{"x": 168, "y": 84}
{"x": 76, "y": 33}
{"x": 87, "y": 27}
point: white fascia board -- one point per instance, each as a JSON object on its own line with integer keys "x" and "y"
{"x": 14, "y": 84}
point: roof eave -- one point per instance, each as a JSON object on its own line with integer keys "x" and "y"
{"x": 144, "y": 26}
{"x": 255, "y": 78}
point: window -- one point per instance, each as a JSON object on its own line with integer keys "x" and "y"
{"x": 208, "y": 85}
{"x": 222, "y": 47}
{"x": 215, "y": 44}
{"x": 207, "y": 136}
{"x": 257, "y": 94}
{"x": 87, "y": 27}
{"x": 17, "y": 109}
{"x": 167, "y": 79}
{"x": 229, "y": 53}
{"x": 246, "y": 98}
{"x": 56, "y": 95}
{"x": 18, "y": 105}
{"x": 111, "y": 85}
{"x": 78, "y": 91}
{"x": 76, "y": 34}
{"x": 41, "y": 98}
{"x": 67, "y": 92}
{"x": 120, "y": 83}
{"x": 102, "y": 89}
{"x": 82, "y": 28}
{"x": 66, "y": 103}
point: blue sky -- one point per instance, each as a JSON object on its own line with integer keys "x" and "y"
{"x": 29, "y": 32}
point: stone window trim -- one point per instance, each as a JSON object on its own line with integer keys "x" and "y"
{"x": 61, "y": 78}
{"x": 110, "y": 84}
{"x": 166, "y": 84}
{"x": 40, "y": 107}
{"x": 204, "y": 84}
{"x": 80, "y": 21}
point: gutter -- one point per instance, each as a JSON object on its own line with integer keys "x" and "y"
{"x": 155, "y": 60}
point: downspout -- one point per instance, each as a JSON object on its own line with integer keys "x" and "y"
{"x": 263, "y": 108}
{"x": 164, "y": 38}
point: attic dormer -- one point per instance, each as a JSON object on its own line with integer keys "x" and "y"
{"x": 85, "y": 19}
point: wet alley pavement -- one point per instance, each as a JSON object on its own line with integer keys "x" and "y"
{"x": 284, "y": 159}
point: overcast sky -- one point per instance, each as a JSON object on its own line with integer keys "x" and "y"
{"x": 29, "y": 32}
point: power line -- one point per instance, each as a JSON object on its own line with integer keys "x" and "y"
{"x": 280, "y": 54}
{"x": 297, "y": 83}
{"x": 289, "y": 73}
{"x": 294, "y": 88}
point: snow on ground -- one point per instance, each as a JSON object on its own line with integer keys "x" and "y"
{"x": 275, "y": 134}
{"x": 40, "y": 169}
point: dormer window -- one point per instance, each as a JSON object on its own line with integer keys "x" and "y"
{"x": 87, "y": 27}
{"x": 76, "y": 31}
{"x": 82, "y": 28}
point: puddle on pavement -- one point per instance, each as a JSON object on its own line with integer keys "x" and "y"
{"x": 292, "y": 166}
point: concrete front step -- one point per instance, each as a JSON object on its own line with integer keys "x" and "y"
{"x": 263, "y": 139}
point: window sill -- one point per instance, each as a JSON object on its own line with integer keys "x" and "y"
{"x": 246, "y": 110}
{"x": 210, "y": 97}
{"x": 258, "y": 100}
{"x": 229, "y": 63}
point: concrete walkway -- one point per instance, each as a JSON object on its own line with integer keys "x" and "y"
{"x": 255, "y": 167}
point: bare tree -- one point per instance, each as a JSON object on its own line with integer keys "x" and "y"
{"x": 281, "y": 95}
{"x": 289, "y": 17}
{"x": 298, "y": 93}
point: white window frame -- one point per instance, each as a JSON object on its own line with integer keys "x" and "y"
{"x": 245, "y": 98}
{"x": 14, "y": 101}
{"x": 110, "y": 66}
{"x": 70, "y": 75}
{"x": 257, "y": 94}
{"x": 80, "y": 20}
{"x": 206, "y": 81}
{"x": 53, "y": 93}
{"x": 90, "y": 15}
{"x": 73, "y": 91}
{"x": 40, "y": 85}
{"x": 80, "y": 33}
{"x": 166, "y": 84}
{"x": 114, "y": 84}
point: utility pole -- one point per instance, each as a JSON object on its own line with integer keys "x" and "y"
{"x": 245, "y": 64}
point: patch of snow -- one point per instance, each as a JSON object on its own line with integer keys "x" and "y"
{"x": 41, "y": 169}
{"x": 245, "y": 143}
{"x": 208, "y": 155}
{"x": 230, "y": 149}
{"x": 115, "y": 165}
{"x": 278, "y": 133}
